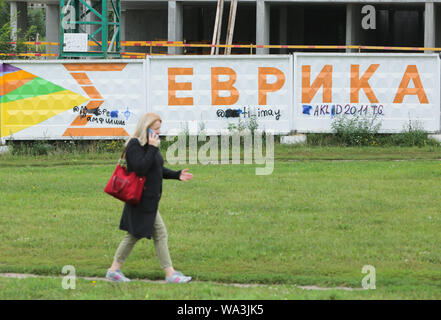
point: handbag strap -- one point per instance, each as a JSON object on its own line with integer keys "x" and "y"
{"x": 123, "y": 154}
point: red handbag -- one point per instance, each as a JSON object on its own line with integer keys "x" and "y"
{"x": 127, "y": 187}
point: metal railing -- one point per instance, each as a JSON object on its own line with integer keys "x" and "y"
{"x": 250, "y": 47}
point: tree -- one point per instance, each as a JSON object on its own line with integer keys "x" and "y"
{"x": 4, "y": 12}
{"x": 35, "y": 22}
{"x": 37, "y": 18}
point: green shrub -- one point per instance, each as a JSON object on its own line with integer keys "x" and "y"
{"x": 412, "y": 135}
{"x": 41, "y": 147}
{"x": 355, "y": 131}
{"x": 321, "y": 139}
{"x": 33, "y": 148}
{"x": 364, "y": 132}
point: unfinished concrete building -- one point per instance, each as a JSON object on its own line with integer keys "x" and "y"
{"x": 407, "y": 23}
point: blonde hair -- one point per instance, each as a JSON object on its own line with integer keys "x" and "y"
{"x": 144, "y": 123}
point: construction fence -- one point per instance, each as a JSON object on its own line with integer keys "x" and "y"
{"x": 302, "y": 92}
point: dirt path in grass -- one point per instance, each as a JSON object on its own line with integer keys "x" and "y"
{"x": 242, "y": 285}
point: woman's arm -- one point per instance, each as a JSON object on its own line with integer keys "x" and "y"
{"x": 170, "y": 174}
{"x": 139, "y": 160}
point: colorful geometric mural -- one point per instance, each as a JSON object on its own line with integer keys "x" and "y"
{"x": 78, "y": 71}
{"x": 27, "y": 100}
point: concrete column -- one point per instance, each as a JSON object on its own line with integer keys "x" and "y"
{"x": 87, "y": 27}
{"x": 438, "y": 25}
{"x": 429, "y": 26}
{"x": 283, "y": 28}
{"x": 262, "y": 26}
{"x": 349, "y": 30}
{"x": 122, "y": 23}
{"x": 175, "y": 25}
{"x": 13, "y": 17}
{"x": 18, "y": 16}
{"x": 353, "y": 23}
{"x": 52, "y": 27}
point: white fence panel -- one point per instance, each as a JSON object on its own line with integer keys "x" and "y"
{"x": 71, "y": 99}
{"x": 215, "y": 92}
{"x": 394, "y": 88}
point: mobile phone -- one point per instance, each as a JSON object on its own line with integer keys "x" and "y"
{"x": 151, "y": 131}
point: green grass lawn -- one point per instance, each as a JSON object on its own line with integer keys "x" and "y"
{"x": 282, "y": 152}
{"x": 308, "y": 223}
{"x": 51, "y": 288}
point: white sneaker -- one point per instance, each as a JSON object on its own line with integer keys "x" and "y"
{"x": 116, "y": 276}
{"x": 177, "y": 277}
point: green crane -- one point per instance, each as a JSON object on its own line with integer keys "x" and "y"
{"x": 82, "y": 21}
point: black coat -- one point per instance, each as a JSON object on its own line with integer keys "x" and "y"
{"x": 146, "y": 161}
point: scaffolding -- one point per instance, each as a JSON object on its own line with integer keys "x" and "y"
{"x": 87, "y": 22}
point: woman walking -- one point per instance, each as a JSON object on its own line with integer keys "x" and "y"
{"x": 143, "y": 220}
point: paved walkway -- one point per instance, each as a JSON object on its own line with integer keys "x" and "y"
{"x": 242, "y": 285}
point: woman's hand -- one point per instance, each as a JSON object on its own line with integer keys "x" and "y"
{"x": 185, "y": 176}
{"x": 153, "y": 139}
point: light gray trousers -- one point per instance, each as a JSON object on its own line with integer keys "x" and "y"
{"x": 160, "y": 241}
